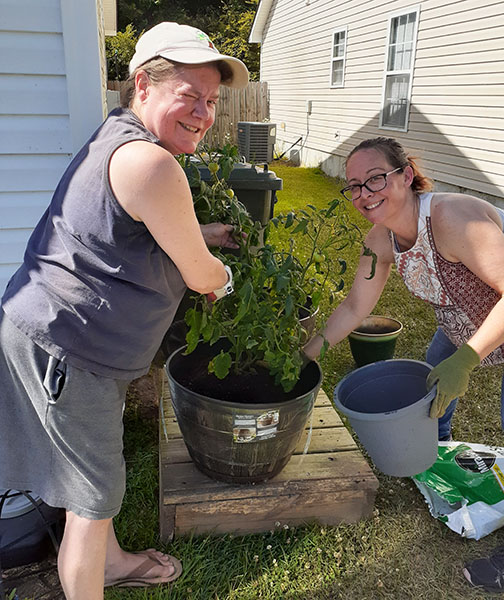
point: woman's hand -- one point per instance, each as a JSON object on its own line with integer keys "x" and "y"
{"x": 218, "y": 234}
{"x": 452, "y": 378}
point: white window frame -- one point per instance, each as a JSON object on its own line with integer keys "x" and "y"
{"x": 409, "y": 71}
{"x": 338, "y": 58}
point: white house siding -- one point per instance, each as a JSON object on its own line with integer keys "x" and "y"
{"x": 50, "y": 102}
{"x": 456, "y": 119}
{"x": 110, "y": 17}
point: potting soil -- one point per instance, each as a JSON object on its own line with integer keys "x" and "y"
{"x": 255, "y": 386}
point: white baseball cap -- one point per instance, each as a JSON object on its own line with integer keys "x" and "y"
{"x": 187, "y": 45}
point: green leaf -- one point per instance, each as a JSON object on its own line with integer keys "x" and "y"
{"x": 245, "y": 294}
{"x": 287, "y": 264}
{"x": 289, "y": 305}
{"x": 217, "y": 333}
{"x": 324, "y": 349}
{"x": 289, "y": 220}
{"x": 282, "y": 281}
{"x": 220, "y": 365}
{"x": 270, "y": 335}
{"x": 301, "y": 226}
{"x": 270, "y": 356}
{"x": 190, "y": 316}
{"x": 332, "y": 207}
{"x": 192, "y": 339}
{"x": 226, "y": 165}
{"x": 207, "y": 331}
{"x": 193, "y": 319}
{"x": 316, "y": 297}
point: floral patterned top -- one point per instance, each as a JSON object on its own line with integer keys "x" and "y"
{"x": 460, "y": 299}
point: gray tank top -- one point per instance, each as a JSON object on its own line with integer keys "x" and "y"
{"x": 95, "y": 289}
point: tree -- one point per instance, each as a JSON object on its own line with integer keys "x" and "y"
{"x": 232, "y": 31}
{"x": 143, "y": 14}
{"x": 119, "y": 51}
{"x": 227, "y": 22}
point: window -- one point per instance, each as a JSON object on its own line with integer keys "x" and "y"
{"x": 399, "y": 64}
{"x": 338, "y": 57}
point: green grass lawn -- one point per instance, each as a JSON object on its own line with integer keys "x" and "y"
{"x": 400, "y": 553}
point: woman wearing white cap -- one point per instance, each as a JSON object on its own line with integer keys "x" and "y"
{"x": 103, "y": 273}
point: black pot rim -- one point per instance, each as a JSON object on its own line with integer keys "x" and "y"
{"x": 238, "y": 405}
{"x": 357, "y": 333}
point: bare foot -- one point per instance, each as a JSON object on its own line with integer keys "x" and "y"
{"x": 138, "y": 569}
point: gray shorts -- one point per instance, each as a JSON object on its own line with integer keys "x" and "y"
{"x": 61, "y": 431}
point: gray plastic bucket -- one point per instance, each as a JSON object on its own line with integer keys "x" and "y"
{"x": 387, "y": 405}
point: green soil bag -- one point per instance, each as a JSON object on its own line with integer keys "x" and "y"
{"x": 464, "y": 488}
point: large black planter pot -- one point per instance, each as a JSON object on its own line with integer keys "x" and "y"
{"x": 250, "y": 434}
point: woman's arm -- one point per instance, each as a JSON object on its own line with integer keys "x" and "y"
{"x": 469, "y": 230}
{"x": 152, "y": 187}
{"x": 363, "y": 295}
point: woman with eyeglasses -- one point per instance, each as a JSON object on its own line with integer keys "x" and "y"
{"x": 448, "y": 248}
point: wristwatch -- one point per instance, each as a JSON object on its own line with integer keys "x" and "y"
{"x": 225, "y": 290}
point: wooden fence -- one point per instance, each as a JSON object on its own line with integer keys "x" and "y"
{"x": 249, "y": 104}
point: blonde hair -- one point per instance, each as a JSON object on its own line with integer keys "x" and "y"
{"x": 397, "y": 157}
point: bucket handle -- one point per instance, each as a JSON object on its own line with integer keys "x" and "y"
{"x": 308, "y": 440}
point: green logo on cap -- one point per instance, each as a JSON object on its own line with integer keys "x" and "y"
{"x": 204, "y": 38}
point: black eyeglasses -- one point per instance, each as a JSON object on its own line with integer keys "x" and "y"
{"x": 375, "y": 183}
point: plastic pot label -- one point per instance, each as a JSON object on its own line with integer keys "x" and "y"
{"x": 251, "y": 428}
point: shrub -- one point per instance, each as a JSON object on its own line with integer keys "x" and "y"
{"x": 119, "y": 51}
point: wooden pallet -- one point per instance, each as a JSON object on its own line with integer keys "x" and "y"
{"x": 331, "y": 483}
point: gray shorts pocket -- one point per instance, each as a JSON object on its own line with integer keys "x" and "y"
{"x": 54, "y": 378}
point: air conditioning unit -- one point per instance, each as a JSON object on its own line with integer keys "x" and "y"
{"x": 256, "y": 141}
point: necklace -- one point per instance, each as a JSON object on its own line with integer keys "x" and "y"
{"x": 408, "y": 241}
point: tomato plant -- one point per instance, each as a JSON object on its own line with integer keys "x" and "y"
{"x": 272, "y": 282}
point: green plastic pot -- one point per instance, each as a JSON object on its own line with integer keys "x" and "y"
{"x": 375, "y": 339}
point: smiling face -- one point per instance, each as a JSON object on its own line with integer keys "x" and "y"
{"x": 384, "y": 205}
{"x": 180, "y": 110}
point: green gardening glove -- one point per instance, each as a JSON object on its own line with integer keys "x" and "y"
{"x": 452, "y": 378}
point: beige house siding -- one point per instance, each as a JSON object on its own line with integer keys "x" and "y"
{"x": 110, "y": 17}
{"x": 456, "y": 119}
{"x": 51, "y": 94}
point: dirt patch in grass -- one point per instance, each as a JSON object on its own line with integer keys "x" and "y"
{"x": 145, "y": 393}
